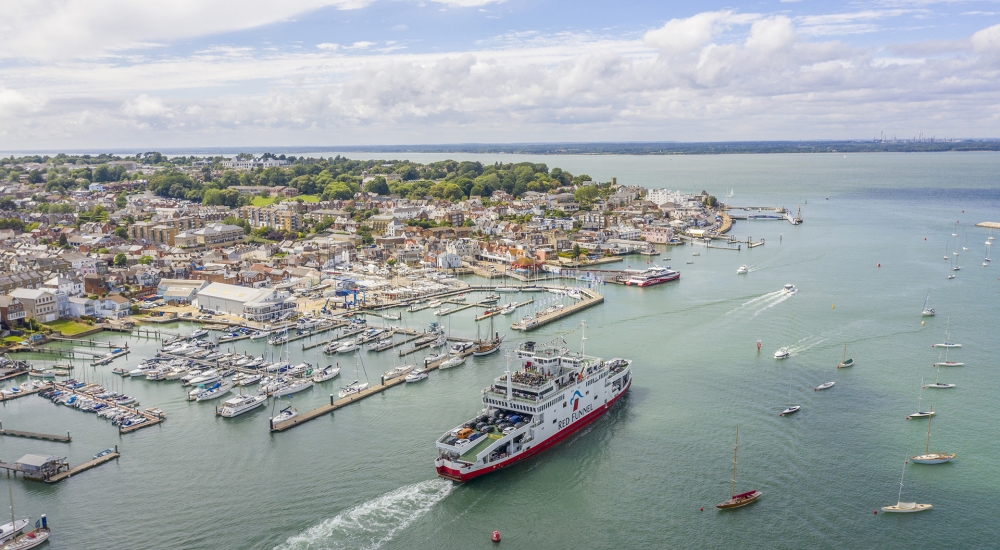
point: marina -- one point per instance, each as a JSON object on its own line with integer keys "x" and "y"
{"x": 592, "y": 299}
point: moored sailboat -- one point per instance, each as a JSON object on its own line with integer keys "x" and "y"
{"x": 931, "y": 458}
{"x": 742, "y": 499}
{"x": 905, "y": 507}
{"x": 845, "y": 363}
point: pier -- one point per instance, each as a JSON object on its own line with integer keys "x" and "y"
{"x": 592, "y": 299}
{"x": 85, "y": 466}
{"x": 110, "y": 357}
{"x": 33, "y": 435}
{"x": 499, "y": 312}
{"x": 22, "y": 393}
{"x": 343, "y": 402}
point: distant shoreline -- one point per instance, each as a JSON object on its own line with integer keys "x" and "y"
{"x": 597, "y": 149}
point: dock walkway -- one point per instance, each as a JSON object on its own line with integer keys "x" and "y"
{"x": 593, "y": 298}
{"x": 33, "y": 435}
{"x": 84, "y": 467}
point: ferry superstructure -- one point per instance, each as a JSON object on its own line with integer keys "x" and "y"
{"x": 554, "y": 394}
{"x": 651, "y": 276}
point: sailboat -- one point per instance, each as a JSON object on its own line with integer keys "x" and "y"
{"x": 742, "y": 499}
{"x": 946, "y": 362}
{"x": 946, "y": 257}
{"x": 791, "y": 408}
{"x": 987, "y": 260}
{"x": 731, "y": 190}
{"x": 13, "y": 541}
{"x": 938, "y": 384}
{"x": 485, "y": 347}
{"x": 904, "y": 507}
{"x": 928, "y": 311}
{"x": 356, "y": 386}
{"x": 846, "y": 362}
{"x": 931, "y": 458}
{"x": 946, "y": 343}
{"x": 920, "y": 398}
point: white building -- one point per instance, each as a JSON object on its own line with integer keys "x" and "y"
{"x": 661, "y": 196}
{"x": 449, "y": 261}
{"x": 254, "y": 304}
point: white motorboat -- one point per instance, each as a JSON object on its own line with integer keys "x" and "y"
{"x": 789, "y": 288}
{"x": 434, "y": 303}
{"x": 10, "y": 530}
{"x": 416, "y": 375}
{"x": 287, "y": 413}
{"x": 782, "y": 353}
{"x": 743, "y": 270}
{"x": 824, "y": 386}
{"x": 509, "y": 309}
{"x": 47, "y": 373}
{"x": 198, "y": 334}
{"x": 453, "y": 362}
{"x": 236, "y": 406}
{"x": 206, "y": 377}
{"x": 329, "y": 373}
{"x": 348, "y": 347}
{"x": 460, "y": 348}
{"x": 442, "y": 311}
{"x": 352, "y": 389}
{"x": 216, "y": 391}
{"x": 260, "y": 334}
{"x": 294, "y": 387}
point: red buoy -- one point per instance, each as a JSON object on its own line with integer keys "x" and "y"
{"x": 876, "y": 512}
{"x": 701, "y": 509}
{"x": 496, "y": 536}
{"x": 880, "y": 264}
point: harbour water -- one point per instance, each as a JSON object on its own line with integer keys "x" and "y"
{"x": 363, "y": 477}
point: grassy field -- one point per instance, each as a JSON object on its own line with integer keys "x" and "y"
{"x": 261, "y": 201}
{"x": 68, "y": 327}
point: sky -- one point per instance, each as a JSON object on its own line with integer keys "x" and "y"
{"x": 91, "y": 74}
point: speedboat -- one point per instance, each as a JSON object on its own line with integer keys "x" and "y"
{"x": 329, "y": 373}
{"x": 790, "y": 410}
{"x": 442, "y": 311}
{"x": 260, "y": 334}
{"x": 198, "y": 333}
{"x": 206, "y": 377}
{"x": 782, "y": 353}
{"x": 790, "y": 289}
{"x": 460, "y": 348}
{"x": 352, "y": 389}
{"x": 743, "y": 270}
{"x": 453, "y": 362}
{"x": 436, "y": 357}
{"x": 349, "y": 346}
{"x": 434, "y": 303}
{"x": 824, "y": 386}
{"x": 416, "y": 375}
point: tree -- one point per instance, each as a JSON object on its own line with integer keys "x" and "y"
{"x": 63, "y": 242}
{"x": 586, "y": 194}
{"x": 121, "y": 201}
{"x": 121, "y": 260}
{"x": 120, "y": 232}
{"x": 145, "y": 260}
{"x": 377, "y": 185}
{"x": 577, "y": 252}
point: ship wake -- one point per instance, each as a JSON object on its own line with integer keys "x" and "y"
{"x": 371, "y": 524}
{"x": 765, "y": 298}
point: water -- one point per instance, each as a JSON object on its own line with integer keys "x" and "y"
{"x": 363, "y": 477}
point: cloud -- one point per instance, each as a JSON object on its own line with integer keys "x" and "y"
{"x": 717, "y": 75}
{"x": 467, "y": 3}
{"x": 328, "y": 46}
{"x": 61, "y": 29}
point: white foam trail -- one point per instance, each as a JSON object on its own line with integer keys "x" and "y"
{"x": 783, "y": 296}
{"x": 758, "y": 299}
{"x": 371, "y": 524}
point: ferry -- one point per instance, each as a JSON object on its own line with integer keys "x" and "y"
{"x": 554, "y": 394}
{"x": 651, "y": 276}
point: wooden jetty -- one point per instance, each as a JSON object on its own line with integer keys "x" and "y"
{"x": 91, "y": 343}
{"x": 33, "y": 435}
{"x": 22, "y": 393}
{"x": 85, "y": 466}
{"x": 109, "y": 358}
{"x": 335, "y": 404}
{"x": 593, "y": 298}
{"x": 498, "y": 311}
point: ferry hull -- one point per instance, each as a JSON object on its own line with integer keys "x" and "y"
{"x": 653, "y": 281}
{"x": 468, "y": 474}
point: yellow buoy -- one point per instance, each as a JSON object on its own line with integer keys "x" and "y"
{"x": 921, "y": 323}
{"x": 833, "y": 306}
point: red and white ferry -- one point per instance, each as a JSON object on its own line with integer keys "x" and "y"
{"x": 556, "y": 393}
{"x": 651, "y": 276}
